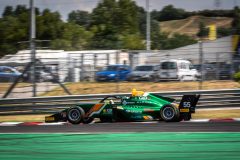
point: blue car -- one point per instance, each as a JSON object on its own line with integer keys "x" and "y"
{"x": 8, "y": 74}
{"x": 117, "y": 72}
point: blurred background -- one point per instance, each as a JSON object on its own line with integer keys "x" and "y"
{"x": 106, "y": 46}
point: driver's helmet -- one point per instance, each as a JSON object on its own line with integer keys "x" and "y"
{"x": 136, "y": 93}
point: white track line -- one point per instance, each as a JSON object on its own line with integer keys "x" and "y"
{"x": 217, "y": 109}
{"x": 10, "y": 123}
{"x": 236, "y": 119}
{"x": 52, "y": 124}
{"x": 198, "y": 120}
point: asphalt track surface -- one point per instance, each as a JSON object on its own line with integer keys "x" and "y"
{"x": 125, "y": 127}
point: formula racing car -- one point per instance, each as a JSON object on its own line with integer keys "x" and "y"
{"x": 139, "y": 106}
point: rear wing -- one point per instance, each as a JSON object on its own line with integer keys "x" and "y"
{"x": 187, "y": 106}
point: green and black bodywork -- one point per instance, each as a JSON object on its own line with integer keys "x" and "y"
{"x": 133, "y": 108}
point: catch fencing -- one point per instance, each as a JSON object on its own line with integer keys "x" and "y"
{"x": 47, "y": 105}
{"x": 215, "y": 60}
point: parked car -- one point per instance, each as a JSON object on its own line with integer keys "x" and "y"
{"x": 209, "y": 71}
{"x": 214, "y": 71}
{"x": 173, "y": 69}
{"x": 8, "y": 74}
{"x": 41, "y": 75}
{"x": 225, "y": 72}
{"x": 113, "y": 73}
{"x": 141, "y": 73}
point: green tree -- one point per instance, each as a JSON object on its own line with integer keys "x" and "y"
{"x": 203, "y": 30}
{"x": 114, "y": 23}
{"x": 179, "y": 40}
{"x": 102, "y": 25}
{"x": 13, "y": 29}
{"x": 236, "y": 21}
{"x": 49, "y": 25}
{"x": 156, "y": 37}
{"x": 8, "y": 11}
{"x": 74, "y": 37}
{"x": 81, "y": 18}
{"x": 20, "y": 9}
{"x": 132, "y": 42}
{"x": 171, "y": 13}
{"x": 223, "y": 32}
{"x": 127, "y": 17}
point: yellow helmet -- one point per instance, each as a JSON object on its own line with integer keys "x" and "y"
{"x": 136, "y": 93}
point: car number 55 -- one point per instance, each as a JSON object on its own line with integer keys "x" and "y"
{"x": 186, "y": 104}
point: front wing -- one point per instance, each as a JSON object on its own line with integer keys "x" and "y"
{"x": 57, "y": 117}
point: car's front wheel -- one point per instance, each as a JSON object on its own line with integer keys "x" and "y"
{"x": 169, "y": 113}
{"x": 75, "y": 115}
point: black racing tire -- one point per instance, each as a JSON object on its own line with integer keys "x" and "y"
{"x": 87, "y": 120}
{"x": 169, "y": 113}
{"x": 187, "y": 117}
{"x": 75, "y": 115}
{"x": 106, "y": 119}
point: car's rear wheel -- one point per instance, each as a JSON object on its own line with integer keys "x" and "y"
{"x": 169, "y": 113}
{"x": 75, "y": 115}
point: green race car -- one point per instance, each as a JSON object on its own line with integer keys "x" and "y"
{"x": 139, "y": 106}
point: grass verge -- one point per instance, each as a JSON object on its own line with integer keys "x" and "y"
{"x": 124, "y": 87}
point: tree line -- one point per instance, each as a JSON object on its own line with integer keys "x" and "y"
{"x": 169, "y": 12}
{"x": 112, "y": 24}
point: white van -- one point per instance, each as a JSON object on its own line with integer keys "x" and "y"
{"x": 173, "y": 69}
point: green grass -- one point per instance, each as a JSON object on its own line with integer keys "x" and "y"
{"x": 128, "y": 146}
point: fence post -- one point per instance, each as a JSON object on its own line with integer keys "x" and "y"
{"x": 117, "y": 57}
{"x": 108, "y": 58}
{"x": 201, "y": 64}
{"x": 82, "y": 67}
{"x": 130, "y": 57}
{"x": 218, "y": 66}
{"x": 133, "y": 58}
{"x": 94, "y": 65}
{"x": 232, "y": 67}
{"x": 69, "y": 69}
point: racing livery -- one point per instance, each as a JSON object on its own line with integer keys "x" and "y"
{"x": 139, "y": 106}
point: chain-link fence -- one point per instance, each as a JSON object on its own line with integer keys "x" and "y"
{"x": 213, "y": 60}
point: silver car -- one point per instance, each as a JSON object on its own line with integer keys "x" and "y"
{"x": 141, "y": 73}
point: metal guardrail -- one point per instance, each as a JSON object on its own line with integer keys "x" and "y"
{"x": 45, "y": 105}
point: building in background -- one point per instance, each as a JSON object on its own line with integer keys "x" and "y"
{"x": 219, "y": 50}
